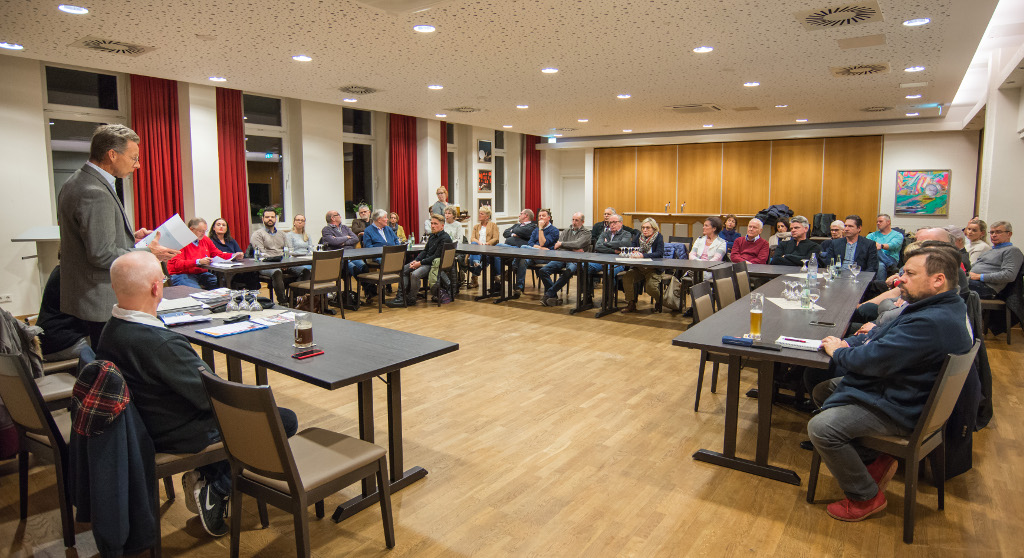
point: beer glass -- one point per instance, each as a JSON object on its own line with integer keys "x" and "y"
{"x": 303, "y": 330}
{"x": 756, "y": 310}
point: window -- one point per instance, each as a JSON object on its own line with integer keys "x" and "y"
{"x": 451, "y": 133}
{"x": 264, "y": 166}
{"x": 499, "y": 183}
{"x": 451, "y": 177}
{"x": 79, "y": 88}
{"x": 499, "y": 139}
{"x": 261, "y": 111}
{"x": 358, "y": 176}
{"x": 357, "y": 121}
{"x": 69, "y": 149}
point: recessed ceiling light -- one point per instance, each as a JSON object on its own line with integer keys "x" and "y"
{"x": 435, "y": 87}
{"x": 12, "y": 46}
{"x": 914, "y": 69}
{"x": 301, "y": 58}
{"x": 549, "y": 71}
{"x": 76, "y": 10}
{"x": 584, "y": 120}
{"x": 917, "y": 96}
{"x": 423, "y": 28}
{"x": 623, "y": 95}
{"x": 350, "y": 100}
{"x": 709, "y": 125}
{"x": 627, "y": 131}
{"x": 507, "y": 126}
{"x": 801, "y": 120}
{"x": 522, "y": 106}
{"x": 913, "y": 114}
{"x": 751, "y": 84}
{"x": 917, "y": 21}
{"x": 557, "y": 135}
{"x": 439, "y": 115}
{"x": 217, "y": 78}
{"x": 781, "y": 106}
{"x": 702, "y": 49}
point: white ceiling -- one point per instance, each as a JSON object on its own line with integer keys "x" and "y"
{"x": 488, "y": 54}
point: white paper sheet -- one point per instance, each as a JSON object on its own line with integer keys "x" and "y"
{"x": 792, "y": 304}
{"x": 174, "y": 234}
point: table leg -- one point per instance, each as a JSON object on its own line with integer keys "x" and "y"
{"x": 261, "y": 376}
{"x": 583, "y": 300}
{"x": 506, "y": 286}
{"x": 207, "y": 356}
{"x": 607, "y": 291}
{"x": 234, "y": 369}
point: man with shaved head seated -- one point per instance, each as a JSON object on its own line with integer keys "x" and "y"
{"x": 163, "y": 374}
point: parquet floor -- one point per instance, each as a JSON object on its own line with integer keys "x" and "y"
{"x": 555, "y": 435}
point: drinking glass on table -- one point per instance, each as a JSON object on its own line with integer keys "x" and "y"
{"x": 855, "y": 270}
{"x": 756, "y": 311}
{"x": 814, "y": 295}
{"x": 303, "y": 330}
{"x": 232, "y": 303}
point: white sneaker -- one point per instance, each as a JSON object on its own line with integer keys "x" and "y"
{"x": 190, "y": 486}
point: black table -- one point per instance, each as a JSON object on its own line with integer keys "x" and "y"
{"x": 225, "y": 274}
{"x": 355, "y": 353}
{"x": 839, "y": 300}
{"x": 770, "y": 271}
{"x": 506, "y": 253}
{"x": 610, "y": 261}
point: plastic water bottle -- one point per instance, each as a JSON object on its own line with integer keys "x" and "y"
{"x": 812, "y": 271}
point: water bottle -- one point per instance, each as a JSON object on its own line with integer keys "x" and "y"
{"x": 812, "y": 271}
{"x": 258, "y": 254}
{"x": 286, "y": 250}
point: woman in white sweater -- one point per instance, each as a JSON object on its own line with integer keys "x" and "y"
{"x": 709, "y": 247}
{"x": 976, "y": 232}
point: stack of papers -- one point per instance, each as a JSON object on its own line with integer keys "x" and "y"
{"x": 222, "y": 263}
{"x": 211, "y": 295}
{"x": 799, "y": 343}
{"x": 230, "y": 329}
{"x": 179, "y": 318}
{"x": 178, "y": 304}
{"x": 174, "y": 234}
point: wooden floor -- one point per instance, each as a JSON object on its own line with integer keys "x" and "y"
{"x": 555, "y": 435}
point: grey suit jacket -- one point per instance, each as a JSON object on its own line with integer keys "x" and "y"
{"x": 94, "y": 231}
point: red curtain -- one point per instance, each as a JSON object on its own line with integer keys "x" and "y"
{"x": 444, "y": 158}
{"x": 158, "y": 193}
{"x": 402, "y": 165}
{"x": 531, "y": 171}
{"x": 234, "y": 188}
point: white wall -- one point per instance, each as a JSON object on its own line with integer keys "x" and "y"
{"x": 200, "y": 159}
{"x": 1000, "y": 194}
{"x": 26, "y": 182}
{"x": 428, "y": 175}
{"x": 321, "y": 160}
{"x": 957, "y": 151}
{"x": 562, "y": 180}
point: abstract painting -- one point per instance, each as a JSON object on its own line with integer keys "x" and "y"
{"x": 922, "y": 192}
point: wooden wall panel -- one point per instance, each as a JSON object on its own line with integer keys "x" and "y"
{"x": 852, "y": 178}
{"x": 616, "y": 179}
{"x": 796, "y": 175}
{"x": 700, "y": 178}
{"x": 656, "y": 178}
{"x": 745, "y": 172}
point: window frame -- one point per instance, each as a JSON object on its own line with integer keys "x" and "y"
{"x": 271, "y": 131}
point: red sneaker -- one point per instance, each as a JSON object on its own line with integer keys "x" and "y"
{"x": 854, "y": 510}
{"x": 882, "y": 469}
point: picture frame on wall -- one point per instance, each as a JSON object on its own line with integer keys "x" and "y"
{"x": 483, "y": 202}
{"x": 922, "y": 192}
{"x": 483, "y": 151}
{"x": 484, "y": 181}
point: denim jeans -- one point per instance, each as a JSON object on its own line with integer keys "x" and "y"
{"x": 595, "y": 268}
{"x": 218, "y": 474}
{"x": 983, "y": 290}
{"x": 551, "y": 289}
{"x": 520, "y": 268}
{"x": 205, "y": 280}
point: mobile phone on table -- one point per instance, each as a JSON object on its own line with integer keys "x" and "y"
{"x": 825, "y": 324}
{"x": 308, "y": 353}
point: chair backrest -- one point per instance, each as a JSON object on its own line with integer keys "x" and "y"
{"x": 681, "y": 239}
{"x": 742, "y": 279}
{"x": 725, "y": 286}
{"x": 393, "y": 259}
{"x": 703, "y": 306}
{"x": 448, "y": 256}
{"x": 23, "y": 400}
{"x": 944, "y": 394}
{"x": 327, "y": 266}
{"x": 251, "y": 428}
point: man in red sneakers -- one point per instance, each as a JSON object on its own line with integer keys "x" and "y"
{"x": 885, "y": 382}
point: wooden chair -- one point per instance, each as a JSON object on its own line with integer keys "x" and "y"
{"x": 289, "y": 473}
{"x": 703, "y": 308}
{"x": 742, "y": 279}
{"x": 390, "y": 271}
{"x": 925, "y": 441}
{"x": 724, "y": 282}
{"x": 681, "y": 239}
{"x": 324, "y": 278}
{"x": 41, "y": 433}
{"x": 996, "y": 305}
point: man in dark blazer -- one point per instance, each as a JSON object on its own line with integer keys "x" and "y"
{"x": 851, "y": 247}
{"x": 94, "y": 228}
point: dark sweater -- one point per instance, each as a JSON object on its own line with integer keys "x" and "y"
{"x": 895, "y": 372}
{"x": 519, "y": 234}
{"x": 60, "y": 330}
{"x": 657, "y": 247}
{"x": 163, "y": 376}
{"x": 434, "y": 247}
{"x": 788, "y": 252}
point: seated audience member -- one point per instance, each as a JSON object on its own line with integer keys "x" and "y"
{"x": 959, "y": 240}
{"x": 781, "y": 233}
{"x": 729, "y": 233}
{"x": 612, "y": 240}
{"x": 378, "y": 233}
{"x": 393, "y": 223}
{"x": 798, "y": 247}
{"x": 574, "y": 239}
{"x": 836, "y": 228}
{"x": 543, "y": 237}
{"x": 516, "y": 236}
{"x": 454, "y": 228}
{"x": 64, "y": 336}
{"x": 163, "y": 374}
{"x": 998, "y": 267}
{"x": 270, "y": 240}
{"x": 484, "y": 233}
{"x": 220, "y": 234}
{"x": 184, "y": 268}
{"x": 361, "y": 221}
{"x": 750, "y": 248}
{"x": 299, "y": 244}
{"x": 836, "y": 232}
{"x": 336, "y": 236}
{"x": 419, "y": 267}
{"x": 709, "y": 247}
{"x": 976, "y": 232}
{"x": 853, "y": 248}
{"x": 888, "y": 243}
{"x": 886, "y": 383}
{"x": 442, "y": 202}
{"x": 651, "y": 245}
{"x": 599, "y": 227}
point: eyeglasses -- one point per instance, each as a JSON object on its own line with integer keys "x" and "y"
{"x": 994, "y": 232}
{"x": 135, "y": 159}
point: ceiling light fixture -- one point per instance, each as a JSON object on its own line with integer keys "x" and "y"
{"x": 917, "y": 22}
{"x": 350, "y": 100}
{"x": 301, "y": 58}
{"x": 914, "y": 69}
{"x": 623, "y": 95}
{"x": 751, "y": 84}
{"x": 435, "y": 87}
{"x": 218, "y": 78}
{"x": 627, "y": 131}
{"x": 557, "y": 135}
{"x": 74, "y": 10}
{"x": 507, "y": 126}
{"x": 709, "y": 125}
{"x": 703, "y": 49}
{"x": 913, "y": 114}
{"x": 522, "y": 106}
{"x": 12, "y": 46}
{"x": 781, "y": 106}
{"x": 549, "y": 71}
{"x": 801, "y": 120}
{"x": 441, "y": 115}
{"x": 423, "y": 28}
{"x": 583, "y": 120}
{"x": 917, "y": 96}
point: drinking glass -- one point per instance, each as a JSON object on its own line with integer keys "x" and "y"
{"x": 244, "y": 305}
{"x": 855, "y": 269}
{"x": 254, "y": 304}
{"x": 303, "y": 330}
{"x": 232, "y": 303}
{"x": 756, "y": 311}
{"x": 814, "y": 294}
{"x": 804, "y": 268}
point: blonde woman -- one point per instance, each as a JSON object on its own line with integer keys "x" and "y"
{"x": 393, "y": 223}
{"x": 651, "y": 245}
{"x": 484, "y": 232}
{"x": 299, "y": 244}
{"x": 451, "y": 226}
{"x": 976, "y": 232}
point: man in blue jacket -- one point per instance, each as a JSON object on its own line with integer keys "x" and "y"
{"x": 543, "y": 237}
{"x": 885, "y": 382}
{"x": 378, "y": 233}
{"x": 852, "y": 248}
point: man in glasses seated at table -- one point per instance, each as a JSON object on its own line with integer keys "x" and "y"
{"x": 164, "y": 378}
{"x": 543, "y": 237}
{"x": 886, "y": 382}
{"x": 999, "y": 267}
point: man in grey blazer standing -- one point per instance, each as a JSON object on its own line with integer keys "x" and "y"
{"x": 94, "y": 228}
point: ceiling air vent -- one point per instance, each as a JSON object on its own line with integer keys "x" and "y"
{"x": 744, "y": 109}
{"x": 563, "y": 130}
{"x": 695, "y": 108}
{"x": 463, "y": 109}
{"x": 859, "y": 70}
{"x": 876, "y": 109}
{"x": 112, "y": 47}
{"x": 840, "y": 16}
{"x": 357, "y": 89}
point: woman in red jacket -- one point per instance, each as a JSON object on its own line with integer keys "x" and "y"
{"x": 184, "y": 268}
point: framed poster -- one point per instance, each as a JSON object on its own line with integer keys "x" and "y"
{"x": 483, "y": 181}
{"x": 483, "y": 202}
{"x": 922, "y": 192}
{"x": 483, "y": 151}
